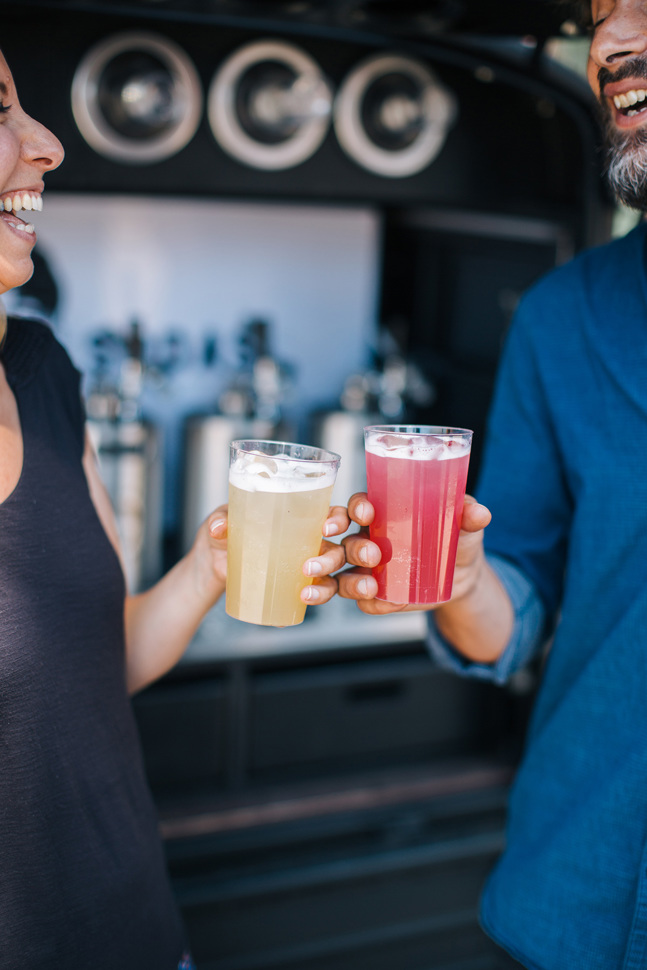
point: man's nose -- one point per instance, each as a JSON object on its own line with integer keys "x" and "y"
{"x": 622, "y": 34}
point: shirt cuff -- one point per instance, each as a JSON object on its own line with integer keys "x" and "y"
{"x": 527, "y": 632}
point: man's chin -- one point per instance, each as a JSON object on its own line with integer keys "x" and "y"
{"x": 626, "y": 166}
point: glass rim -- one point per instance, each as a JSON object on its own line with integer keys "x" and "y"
{"x": 329, "y": 457}
{"x": 437, "y": 430}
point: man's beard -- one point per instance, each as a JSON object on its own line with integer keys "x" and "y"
{"x": 626, "y": 165}
{"x": 626, "y": 151}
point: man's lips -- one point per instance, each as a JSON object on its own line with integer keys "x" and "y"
{"x": 627, "y": 102}
{"x": 612, "y": 88}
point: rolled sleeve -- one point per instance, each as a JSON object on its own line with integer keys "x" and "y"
{"x": 527, "y": 634}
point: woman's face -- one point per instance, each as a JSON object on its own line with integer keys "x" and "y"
{"x": 27, "y": 151}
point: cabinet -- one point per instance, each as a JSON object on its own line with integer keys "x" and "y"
{"x": 329, "y": 809}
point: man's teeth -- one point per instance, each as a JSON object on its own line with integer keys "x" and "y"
{"x": 629, "y": 98}
{"x": 24, "y": 200}
{"x": 24, "y": 226}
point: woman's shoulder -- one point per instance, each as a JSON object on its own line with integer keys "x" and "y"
{"x": 31, "y": 344}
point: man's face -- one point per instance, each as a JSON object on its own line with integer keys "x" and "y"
{"x": 617, "y": 73}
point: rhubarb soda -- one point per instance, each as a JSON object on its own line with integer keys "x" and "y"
{"x": 279, "y": 497}
{"x": 416, "y": 483}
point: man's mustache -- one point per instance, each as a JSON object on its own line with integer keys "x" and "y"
{"x": 636, "y": 67}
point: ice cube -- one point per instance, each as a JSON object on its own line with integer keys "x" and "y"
{"x": 430, "y": 448}
{"x": 260, "y": 464}
{"x": 442, "y": 449}
{"x": 394, "y": 442}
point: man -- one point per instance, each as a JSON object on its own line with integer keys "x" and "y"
{"x": 565, "y": 477}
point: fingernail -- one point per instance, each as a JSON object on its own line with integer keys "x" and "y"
{"x": 216, "y": 526}
{"x": 363, "y": 555}
{"x": 362, "y": 587}
{"x": 311, "y": 593}
{"x": 330, "y": 529}
{"x": 361, "y": 511}
{"x": 314, "y": 568}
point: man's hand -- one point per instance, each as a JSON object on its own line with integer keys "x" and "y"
{"x": 361, "y": 553}
{"x": 331, "y": 558}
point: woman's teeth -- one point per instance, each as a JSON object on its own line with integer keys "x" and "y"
{"x": 26, "y": 200}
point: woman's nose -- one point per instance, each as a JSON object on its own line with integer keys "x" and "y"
{"x": 622, "y": 34}
{"x": 41, "y": 146}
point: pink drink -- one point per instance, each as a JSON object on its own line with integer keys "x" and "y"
{"x": 416, "y": 482}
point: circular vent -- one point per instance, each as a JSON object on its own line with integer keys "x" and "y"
{"x": 137, "y": 98}
{"x": 269, "y": 105}
{"x": 392, "y": 115}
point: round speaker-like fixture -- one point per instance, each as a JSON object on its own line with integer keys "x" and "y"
{"x": 269, "y": 105}
{"x": 137, "y": 98}
{"x": 392, "y": 115}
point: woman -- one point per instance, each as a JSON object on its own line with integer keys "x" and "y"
{"x": 82, "y": 875}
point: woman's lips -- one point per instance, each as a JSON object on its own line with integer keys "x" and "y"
{"x": 18, "y": 226}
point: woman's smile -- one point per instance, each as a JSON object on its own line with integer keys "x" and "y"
{"x": 20, "y": 200}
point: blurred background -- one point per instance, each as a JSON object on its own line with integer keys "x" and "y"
{"x": 291, "y": 218}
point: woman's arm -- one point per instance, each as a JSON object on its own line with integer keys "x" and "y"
{"x": 160, "y": 623}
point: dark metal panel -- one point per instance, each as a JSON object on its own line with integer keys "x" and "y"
{"x": 307, "y": 723}
{"x": 344, "y": 909}
{"x": 184, "y": 735}
{"x": 523, "y": 143}
{"x": 513, "y": 18}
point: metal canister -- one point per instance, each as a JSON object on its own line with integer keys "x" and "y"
{"x": 130, "y": 462}
{"x": 343, "y": 433}
{"x": 206, "y": 464}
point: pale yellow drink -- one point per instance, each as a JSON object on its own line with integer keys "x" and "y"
{"x": 277, "y": 509}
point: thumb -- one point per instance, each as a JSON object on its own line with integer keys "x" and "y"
{"x": 475, "y": 516}
{"x": 217, "y": 523}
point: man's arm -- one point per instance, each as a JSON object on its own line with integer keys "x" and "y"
{"x": 504, "y": 605}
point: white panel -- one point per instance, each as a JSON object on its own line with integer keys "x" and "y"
{"x": 205, "y": 265}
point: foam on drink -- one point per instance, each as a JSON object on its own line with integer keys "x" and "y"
{"x": 418, "y": 448}
{"x": 260, "y": 473}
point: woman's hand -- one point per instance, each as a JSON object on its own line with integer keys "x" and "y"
{"x": 210, "y": 555}
{"x": 361, "y": 553}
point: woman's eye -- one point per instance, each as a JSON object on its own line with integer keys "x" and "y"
{"x": 4, "y": 107}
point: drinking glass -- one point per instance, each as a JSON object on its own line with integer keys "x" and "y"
{"x": 416, "y": 477}
{"x": 279, "y": 496}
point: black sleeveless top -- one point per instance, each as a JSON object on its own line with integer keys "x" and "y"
{"x": 83, "y": 882}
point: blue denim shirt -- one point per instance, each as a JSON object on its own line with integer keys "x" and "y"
{"x": 565, "y": 475}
